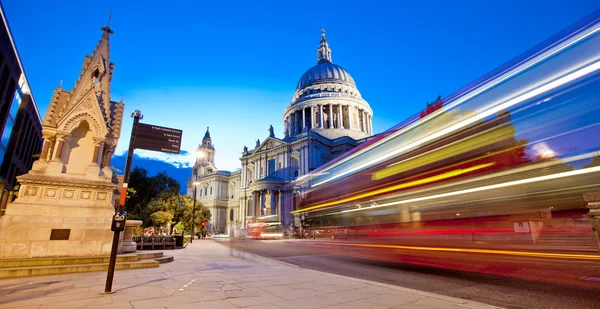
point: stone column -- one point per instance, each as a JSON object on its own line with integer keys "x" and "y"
{"x": 306, "y": 167}
{"x": 304, "y": 119}
{"x": 263, "y": 200}
{"x": 330, "y": 116}
{"x": 253, "y": 203}
{"x": 593, "y": 204}
{"x": 341, "y": 116}
{"x": 107, "y": 157}
{"x": 295, "y": 123}
{"x": 272, "y": 211}
{"x": 59, "y": 148}
{"x": 364, "y": 123}
{"x": 96, "y": 158}
{"x": 321, "y": 116}
{"x": 291, "y": 124}
{"x": 44, "y": 155}
{"x": 279, "y": 197}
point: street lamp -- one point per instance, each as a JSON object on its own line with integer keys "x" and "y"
{"x": 199, "y": 154}
{"x": 195, "y": 183}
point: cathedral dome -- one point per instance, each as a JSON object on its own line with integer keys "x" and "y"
{"x": 325, "y": 72}
{"x": 327, "y": 102}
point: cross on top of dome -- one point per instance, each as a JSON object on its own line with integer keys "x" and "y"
{"x": 323, "y": 53}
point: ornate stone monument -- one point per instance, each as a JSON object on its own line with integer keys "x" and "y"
{"x": 66, "y": 202}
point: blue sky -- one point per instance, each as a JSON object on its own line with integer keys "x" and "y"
{"x": 234, "y": 65}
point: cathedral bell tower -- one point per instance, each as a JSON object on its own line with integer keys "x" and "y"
{"x": 205, "y": 156}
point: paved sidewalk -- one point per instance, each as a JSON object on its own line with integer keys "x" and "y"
{"x": 209, "y": 275}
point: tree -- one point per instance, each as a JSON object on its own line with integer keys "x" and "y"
{"x": 202, "y": 214}
{"x": 142, "y": 189}
{"x": 161, "y": 218}
{"x": 179, "y": 206}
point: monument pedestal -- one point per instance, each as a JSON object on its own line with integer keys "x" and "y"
{"x": 126, "y": 243}
{"x": 55, "y": 217}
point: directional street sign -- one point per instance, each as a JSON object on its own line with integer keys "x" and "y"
{"x": 155, "y": 138}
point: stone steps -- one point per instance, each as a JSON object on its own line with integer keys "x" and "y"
{"x": 568, "y": 237}
{"x": 68, "y": 269}
{"x": 164, "y": 259}
{"x": 149, "y": 255}
{"x": 12, "y": 263}
{"x": 15, "y": 268}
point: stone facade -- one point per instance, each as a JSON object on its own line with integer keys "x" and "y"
{"x": 65, "y": 203}
{"x": 326, "y": 118}
{"x": 216, "y": 190}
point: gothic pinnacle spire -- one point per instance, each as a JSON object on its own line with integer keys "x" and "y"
{"x": 207, "y": 134}
{"x": 106, "y": 29}
{"x": 323, "y": 53}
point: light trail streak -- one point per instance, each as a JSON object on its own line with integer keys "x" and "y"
{"x": 490, "y": 187}
{"x": 468, "y": 250}
{"x": 468, "y": 144}
{"x": 560, "y": 81}
{"x": 478, "y": 179}
{"x": 409, "y": 184}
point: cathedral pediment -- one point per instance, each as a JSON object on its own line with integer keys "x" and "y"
{"x": 269, "y": 143}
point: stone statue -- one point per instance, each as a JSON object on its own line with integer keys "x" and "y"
{"x": 271, "y": 133}
{"x": 245, "y": 148}
{"x": 257, "y": 143}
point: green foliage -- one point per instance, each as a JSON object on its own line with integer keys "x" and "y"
{"x": 150, "y": 198}
{"x": 161, "y": 218}
{"x": 180, "y": 206}
{"x": 142, "y": 189}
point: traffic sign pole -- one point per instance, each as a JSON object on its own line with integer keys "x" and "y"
{"x": 137, "y": 115}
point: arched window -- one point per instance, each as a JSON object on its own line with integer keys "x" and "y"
{"x": 95, "y": 75}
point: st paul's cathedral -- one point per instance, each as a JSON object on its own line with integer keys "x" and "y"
{"x": 326, "y": 118}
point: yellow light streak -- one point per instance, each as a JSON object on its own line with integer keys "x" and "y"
{"x": 409, "y": 184}
{"x": 467, "y": 250}
{"x": 482, "y": 114}
{"x": 488, "y": 138}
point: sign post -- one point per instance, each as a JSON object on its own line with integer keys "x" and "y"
{"x": 137, "y": 115}
{"x": 143, "y": 136}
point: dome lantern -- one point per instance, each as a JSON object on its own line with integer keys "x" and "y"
{"x": 324, "y": 52}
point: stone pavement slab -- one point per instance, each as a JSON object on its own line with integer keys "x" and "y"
{"x": 208, "y": 275}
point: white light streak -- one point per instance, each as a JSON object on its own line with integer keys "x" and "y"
{"x": 481, "y": 115}
{"x": 490, "y": 187}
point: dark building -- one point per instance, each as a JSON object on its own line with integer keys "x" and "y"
{"x": 20, "y": 123}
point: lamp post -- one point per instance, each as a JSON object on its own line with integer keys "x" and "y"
{"x": 199, "y": 155}
{"x": 194, "y": 209}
